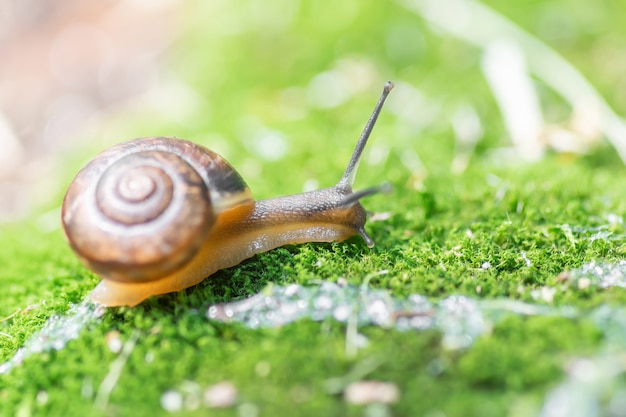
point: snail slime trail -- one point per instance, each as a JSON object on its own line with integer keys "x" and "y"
{"x": 56, "y": 332}
{"x": 596, "y": 382}
{"x": 157, "y": 215}
{"x": 461, "y": 319}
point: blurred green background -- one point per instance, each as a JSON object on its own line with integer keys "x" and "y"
{"x": 267, "y": 83}
{"x": 282, "y": 90}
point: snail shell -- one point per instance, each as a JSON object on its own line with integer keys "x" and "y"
{"x": 143, "y": 208}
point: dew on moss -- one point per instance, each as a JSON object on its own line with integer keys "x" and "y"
{"x": 56, "y": 333}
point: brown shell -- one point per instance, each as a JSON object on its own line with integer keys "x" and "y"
{"x": 143, "y": 208}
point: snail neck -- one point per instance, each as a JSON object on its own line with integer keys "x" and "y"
{"x": 316, "y": 216}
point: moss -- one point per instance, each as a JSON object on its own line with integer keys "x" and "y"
{"x": 494, "y": 231}
{"x": 431, "y": 254}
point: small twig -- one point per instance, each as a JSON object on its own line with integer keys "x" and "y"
{"x": 352, "y": 333}
{"x": 10, "y": 316}
{"x": 478, "y": 24}
{"x": 115, "y": 371}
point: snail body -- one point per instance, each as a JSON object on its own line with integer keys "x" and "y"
{"x": 157, "y": 215}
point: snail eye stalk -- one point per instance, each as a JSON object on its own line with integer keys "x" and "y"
{"x": 353, "y": 165}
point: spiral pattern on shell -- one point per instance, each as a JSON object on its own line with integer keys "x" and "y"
{"x": 143, "y": 208}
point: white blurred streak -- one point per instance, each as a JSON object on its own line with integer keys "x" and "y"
{"x": 504, "y": 67}
{"x": 468, "y": 130}
{"x": 477, "y": 24}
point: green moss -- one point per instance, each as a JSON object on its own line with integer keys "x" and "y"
{"x": 494, "y": 231}
{"x": 432, "y": 254}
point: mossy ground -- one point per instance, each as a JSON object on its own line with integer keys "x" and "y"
{"x": 435, "y": 243}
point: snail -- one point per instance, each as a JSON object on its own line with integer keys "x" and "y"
{"x": 157, "y": 215}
